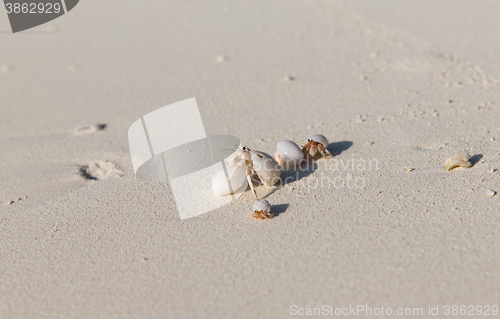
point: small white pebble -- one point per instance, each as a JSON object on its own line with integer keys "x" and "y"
{"x": 490, "y": 192}
{"x": 288, "y": 78}
{"x": 360, "y": 118}
{"x": 221, "y": 58}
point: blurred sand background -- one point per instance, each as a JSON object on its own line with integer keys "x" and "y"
{"x": 405, "y": 83}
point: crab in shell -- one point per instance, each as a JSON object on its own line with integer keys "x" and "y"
{"x": 316, "y": 143}
{"x": 243, "y": 163}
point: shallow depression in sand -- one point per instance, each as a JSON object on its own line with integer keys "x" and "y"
{"x": 100, "y": 170}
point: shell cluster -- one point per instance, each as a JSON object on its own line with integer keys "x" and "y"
{"x": 288, "y": 153}
{"x": 244, "y": 163}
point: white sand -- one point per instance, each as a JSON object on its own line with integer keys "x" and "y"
{"x": 116, "y": 248}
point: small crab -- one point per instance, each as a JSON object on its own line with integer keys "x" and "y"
{"x": 316, "y": 143}
{"x": 262, "y": 210}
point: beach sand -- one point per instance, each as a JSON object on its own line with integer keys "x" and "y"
{"x": 381, "y": 223}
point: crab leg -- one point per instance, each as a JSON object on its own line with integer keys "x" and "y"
{"x": 324, "y": 151}
{"x": 249, "y": 178}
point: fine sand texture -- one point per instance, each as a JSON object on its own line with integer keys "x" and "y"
{"x": 381, "y": 223}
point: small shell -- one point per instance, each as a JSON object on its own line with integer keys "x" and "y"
{"x": 491, "y": 193}
{"x": 262, "y": 210}
{"x": 288, "y": 153}
{"x": 320, "y": 139}
{"x": 239, "y": 183}
{"x": 86, "y": 129}
{"x": 459, "y": 160}
{"x": 266, "y": 167}
{"x": 6, "y": 68}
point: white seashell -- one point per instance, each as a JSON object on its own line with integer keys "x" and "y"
{"x": 488, "y": 192}
{"x": 459, "y": 160}
{"x": 262, "y": 210}
{"x": 85, "y": 129}
{"x": 320, "y": 139}
{"x": 267, "y": 168}
{"x": 261, "y": 205}
{"x": 316, "y": 143}
{"x": 238, "y": 183}
{"x": 288, "y": 153}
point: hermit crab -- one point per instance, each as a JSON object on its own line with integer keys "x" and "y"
{"x": 288, "y": 153}
{"x": 243, "y": 163}
{"x": 262, "y": 210}
{"x": 316, "y": 143}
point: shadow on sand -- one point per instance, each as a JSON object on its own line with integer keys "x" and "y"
{"x": 475, "y": 158}
{"x": 279, "y": 209}
{"x": 338, "y": 147}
